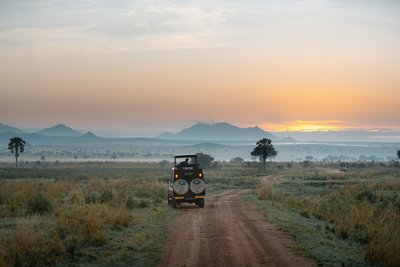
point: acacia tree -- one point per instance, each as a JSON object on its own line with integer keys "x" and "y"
{"x": 16, "y": 146}
{"x": 264, "y": 149}
{"x": 204, "y": 160}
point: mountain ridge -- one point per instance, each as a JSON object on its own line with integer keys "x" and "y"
{"x": 4, "y": 128}
{"x": 60, "y": 130}
{"x": 219, "y": 131}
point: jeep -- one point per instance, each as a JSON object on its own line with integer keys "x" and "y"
{"x": 186, "y": 184}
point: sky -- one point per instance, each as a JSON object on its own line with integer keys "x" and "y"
{"x": 144, "y": 67}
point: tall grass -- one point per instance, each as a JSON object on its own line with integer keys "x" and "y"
{"x": 366, "y": 212}
{"x": 47, "y": 221}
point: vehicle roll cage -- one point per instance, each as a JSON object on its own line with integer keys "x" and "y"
{"x": 192, "y": 158}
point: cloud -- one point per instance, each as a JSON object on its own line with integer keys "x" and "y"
{"x": 104, "y": 27}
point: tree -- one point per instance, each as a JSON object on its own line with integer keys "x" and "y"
{"x": 309, "y": 158}
{"x": 204, "y": 160}
{"x": 16, "y": 146}
{"x": 237, "y": 160}
{"x": 264, "y": 149}
{"x": 398, "y": 154}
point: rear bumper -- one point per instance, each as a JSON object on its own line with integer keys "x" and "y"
{"x": 189, "y": 198}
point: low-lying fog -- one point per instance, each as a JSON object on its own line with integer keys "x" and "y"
{"x": 149, "y": 151}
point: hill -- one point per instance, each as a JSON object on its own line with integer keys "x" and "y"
{"x": 219, "y": 132}
{"x": 4, "y": 128}
{"x": 60, "y": 130}
{"x": 89, "y": 137}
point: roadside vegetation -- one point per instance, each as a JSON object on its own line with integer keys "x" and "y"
{"x": 116, "y": 213}
{"x": 93, "y": 213}
{"x": 83, "y": 215}
{"x": 340, "y": 218}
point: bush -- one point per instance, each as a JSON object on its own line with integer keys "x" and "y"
{"x": 367, "y": 195}
{"x": 39, "y": 204}
{"x": 106, "y": 195}
{"x": 204, "y": 160}
{"x": 237, "y": 160}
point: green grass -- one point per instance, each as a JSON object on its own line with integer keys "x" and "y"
{"x": 314, "y": 238}
{"x": 112, "y": 215}
{"x": 115, "y": 213}
{"x": 93, "y": 214}
{"x": 356, "y": 213}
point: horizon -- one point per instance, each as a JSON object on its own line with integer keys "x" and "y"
{"x": 279, "y": 134}
{"x": 144, "y": 68}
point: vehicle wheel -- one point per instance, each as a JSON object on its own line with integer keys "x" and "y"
{"x": 201, "y": 204}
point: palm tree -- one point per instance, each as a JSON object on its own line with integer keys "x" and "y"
{"x": 16, "y": 146}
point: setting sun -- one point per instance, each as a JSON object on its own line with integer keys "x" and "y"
{"x": 307, "y": 126}
{"x": 157, "y": 66}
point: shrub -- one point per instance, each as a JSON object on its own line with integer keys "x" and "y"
{"x": 106, "y": 195}
{"x": 130, "y": 202}
{"x": 39, "y": 204}
{"x": 264, "y": 192}
{"x": 367, "y": 195}
{"x": 120, "y": 218}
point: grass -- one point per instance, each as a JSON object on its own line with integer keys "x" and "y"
{"x": 357, "y": 213}
{"x": 93, "y": 214}
{"x": 105, "y": 213}
{"x": 68, "y": 220}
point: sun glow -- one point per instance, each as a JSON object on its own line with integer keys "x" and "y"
{"x": 308, "y": 126}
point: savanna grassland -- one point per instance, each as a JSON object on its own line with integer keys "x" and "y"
{"x": 93, "y": 213}
{"x": 116, "y": 213}
{"x": 340, "y": 218}
{"x": 83, "y": 214}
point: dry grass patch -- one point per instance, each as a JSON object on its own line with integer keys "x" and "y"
{"x": 43, "y": 222}
{"x": 362, "y": 210}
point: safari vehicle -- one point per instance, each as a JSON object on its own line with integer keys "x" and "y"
{"x": 186, "y": 183}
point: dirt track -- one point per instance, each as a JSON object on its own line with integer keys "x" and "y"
{"x": 227, "y": 232}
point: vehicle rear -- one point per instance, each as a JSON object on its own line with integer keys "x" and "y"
{"x": 186, "y": 184}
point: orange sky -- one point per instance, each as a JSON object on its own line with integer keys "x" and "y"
{"x": 147, "y": 68}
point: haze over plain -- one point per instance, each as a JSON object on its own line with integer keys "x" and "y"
{"x": 145, "y": 67}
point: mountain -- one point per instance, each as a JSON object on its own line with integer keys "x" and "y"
{"x": 60, "y": 130}
{"x": 89, "y": 136}
{"x": 219, "y": 131}
{"x": 4, "y": 128}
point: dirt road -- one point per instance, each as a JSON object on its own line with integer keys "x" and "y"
{"x": 227, "y": 232}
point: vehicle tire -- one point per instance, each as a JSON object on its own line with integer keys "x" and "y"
{"x": 201, "y": 203}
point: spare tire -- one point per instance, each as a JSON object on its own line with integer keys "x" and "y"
{"x": 197, "y": 186}
{"x": 181, "y": 187}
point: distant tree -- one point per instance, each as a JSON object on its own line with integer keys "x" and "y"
{"x": 398, "y": 154}
{"x": 204, "y": 160}
{"x": 42, "y": 158}
{"x": 16, "y": 146}
{"x": 309, "y": 158}
{"x": 264, "y": 149}
{"x": 114, "y": 156}
{"x": 306, "y": 164}
{"x": 75, "y": 157}
{"x": 343, "y": 167}
{"x": 164, "y": 163}
{"x": 237, "y": 160}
